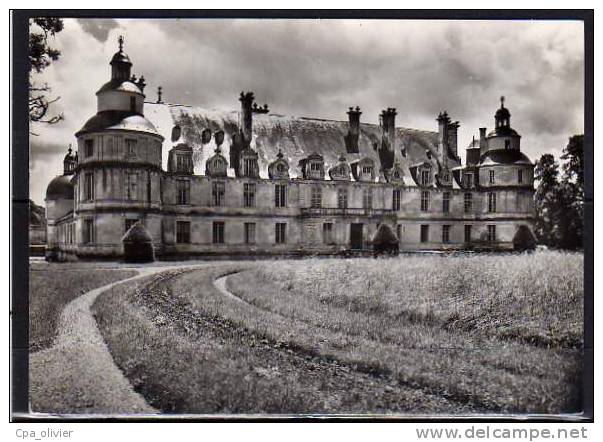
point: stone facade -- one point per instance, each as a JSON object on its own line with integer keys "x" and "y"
{"x": 279, "y": 185}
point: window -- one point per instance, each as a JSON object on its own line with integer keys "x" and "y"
{"x": 520, "y": 176}
{"x": 88, "y": 231}
{"x": 469, "y": 180}
{"x": 367, "y": 170}
{"x": 132, "y": 104}
{"x": 280, "y": 168}
{"x": 129, "y": 223}
{"x": 424, "y": 201}
{"x": 424, "y": 233}
{"x": 316, "y": 196}
{"x": 507, "y": 144}
{"x": 130, "y": 148}
{"x": 342, "y": 198}
{"x": 491, "y": 233}
{"x": 249, "y": 194}
{"x": 217, "y": 193}
{"x": 249, "y": 167}
{"x": 467, "y": 233}
{"x": 367, "y": 198}
{"x": 280, "y": 195}
{"x": 182, "y": 163}
{"x": 468, "y": 202}
{"x": 396, "y": 199}
{"x": 131, "y": 185}
{"x": 446, "y": 234}
{"x": 491, "y": 202}
{"x": 315, "y": 167}
{"x": 89, "y": 186}
{"x": 399, "y": 232}
{"x": 89, "y": 147}
{"x": 249, "y": 233}
{"x": 424, "y": 177}
{"x": 184, "y": 191}
{"x": 280, "y": 233}
{"x": 183, "y": 232}
{"x": 217, "y": 236}
{"x": 491, "y": 177}
{"x": 327, "y": 233}
{"x": 446, "y": 202}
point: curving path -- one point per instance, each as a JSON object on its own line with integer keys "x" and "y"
{"x": 77, "y": 374}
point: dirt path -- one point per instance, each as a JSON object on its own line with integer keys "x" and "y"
{"x": 77, "y": 374}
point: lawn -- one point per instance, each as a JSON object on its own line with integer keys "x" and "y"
{"x": 52, "y": 287}
{"x": 499, "y": 333}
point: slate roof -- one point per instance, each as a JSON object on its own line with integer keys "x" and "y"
{"x": 297, "y": 137}
{"x": 504, "y": 156}
{"x": 60, "y": 187}
{"x": 117, "y": 120}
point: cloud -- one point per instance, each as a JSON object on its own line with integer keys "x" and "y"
{"x": 98, "y": 28}
{"x": 320, "y": 67}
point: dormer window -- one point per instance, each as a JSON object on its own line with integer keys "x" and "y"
{"x": 279, "y": 169}
{"x": 425, "y": 177}
{"x": 248, "y": 167}
{"x": 469, "y": 179}
{"x": 216, "y": 165}
{"x": 313, "y": 167}
{"x": 367, "y": 170}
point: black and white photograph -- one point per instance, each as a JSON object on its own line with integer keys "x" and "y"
{"x": 295, "y": 217}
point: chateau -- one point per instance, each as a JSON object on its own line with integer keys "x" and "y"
{"x": 252, "y": 182}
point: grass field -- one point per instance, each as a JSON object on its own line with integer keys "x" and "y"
{"x": 404, "y": 335}
{"x": 52, "y": 286}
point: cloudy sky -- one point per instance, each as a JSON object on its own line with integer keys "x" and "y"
{"x": 319, "y": 68}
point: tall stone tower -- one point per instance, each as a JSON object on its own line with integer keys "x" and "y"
{"x": 118, "y": 175}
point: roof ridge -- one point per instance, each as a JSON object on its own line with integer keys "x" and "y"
{"x": 298, "y": 117}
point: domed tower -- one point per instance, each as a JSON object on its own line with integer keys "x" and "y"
{"x": 506, "y": 179}
{"x": 118, "y": 173}
{"x": 501, "y": 162}
{"x": 59, "y": 203}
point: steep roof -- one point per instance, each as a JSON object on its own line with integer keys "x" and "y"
{"x": 60, "y": 188}
{"x": 117, "y": 120}
{"x": 297, "y": 137}
{"x": 503, "y": 156}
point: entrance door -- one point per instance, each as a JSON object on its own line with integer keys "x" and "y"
{"x": 356, "y": 236}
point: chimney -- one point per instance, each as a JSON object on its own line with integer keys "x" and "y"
{"x": 453, "y": 138}
{"x": 443, "y": 125}
{"x": 351, "y": 139}
{"x": 483, "y": 142}
{"x": 388, "y": 123}
{"x": 472, "y": 157}
{"x": 246, "y": 100}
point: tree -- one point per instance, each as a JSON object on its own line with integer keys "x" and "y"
{"x": 548, "y": 209}
{"x": 559, "y": 200}
{"x": 572, "y": 194}
{"x": 41, "y": 55}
